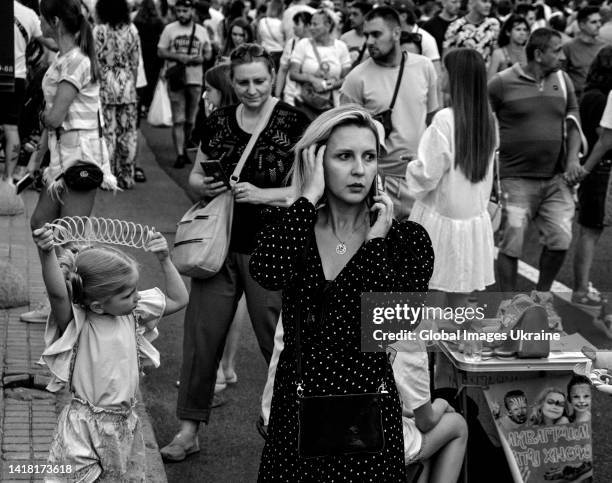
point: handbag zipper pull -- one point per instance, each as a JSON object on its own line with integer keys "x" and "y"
{"x": 300, "y": 389}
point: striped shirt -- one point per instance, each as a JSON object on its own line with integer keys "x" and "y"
{"x": 531, "y": 118}
{"x": 74, "y": 67}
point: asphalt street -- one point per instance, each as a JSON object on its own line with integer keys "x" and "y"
{"x": 230, "y": 445}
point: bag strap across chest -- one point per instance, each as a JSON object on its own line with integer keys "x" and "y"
{"x": 261, "y": 125}
{"x": 398, "y": 81}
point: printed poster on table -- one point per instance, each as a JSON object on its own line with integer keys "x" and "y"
{"x": 544, "y": 425}
{"x": 7, "y": 50}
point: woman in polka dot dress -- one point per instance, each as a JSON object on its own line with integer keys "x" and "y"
{"x": 326, "y": 242}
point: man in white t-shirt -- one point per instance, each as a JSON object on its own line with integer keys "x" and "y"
{"x": 354, "y": 38}
{"x": 184, "y": 42}
{"x": 295, "y": 7}
{"x": 372, "y": 83}
{"x": 26, "y": 28}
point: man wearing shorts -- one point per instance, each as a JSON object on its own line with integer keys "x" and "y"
{"x": 184, "y": 42}
{"x": 26, "y": 27}
{"x": 594, "y": 196}
{"x": 535, "y": 104}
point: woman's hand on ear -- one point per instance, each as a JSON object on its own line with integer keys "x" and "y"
{"x": 383, "y": 209}
{"x": 314, "y": 180}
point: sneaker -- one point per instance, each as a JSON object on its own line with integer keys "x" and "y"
{"x": 545, "y": 299}
{"x": 590, "y": 300}
{"x": 38, "y": 315}
{"x": 179, "y": 448}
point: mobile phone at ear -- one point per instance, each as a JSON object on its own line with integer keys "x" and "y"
{"x": 214, "y": 169}
{"x": 374, "y": 191}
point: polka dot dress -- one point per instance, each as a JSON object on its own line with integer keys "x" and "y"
{"x": 331, "y": 357}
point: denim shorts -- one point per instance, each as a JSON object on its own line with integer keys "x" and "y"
{"x": 547, "y": 202}
{"x": 184, "y": 104}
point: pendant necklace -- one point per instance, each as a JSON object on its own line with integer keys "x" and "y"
{"x": 341, "y": 246}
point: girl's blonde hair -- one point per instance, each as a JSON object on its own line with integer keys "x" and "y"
{"x": 536, "y": 417}
{"x": 96, "y": 273}
{"x": 321, "y": 129}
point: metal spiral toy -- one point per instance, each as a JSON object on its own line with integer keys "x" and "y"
{"x": 89, "y": 229}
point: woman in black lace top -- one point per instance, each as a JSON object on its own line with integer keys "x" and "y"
{"x": 325, "y": 247}
{"x": 213, "y": 301}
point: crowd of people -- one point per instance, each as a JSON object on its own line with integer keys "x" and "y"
{"x": 373, "y": 136}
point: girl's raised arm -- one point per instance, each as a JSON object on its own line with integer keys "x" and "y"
{"x": 177, "y": 295}
{"x": 55, "y": 283}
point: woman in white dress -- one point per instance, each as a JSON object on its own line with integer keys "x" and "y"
{"x": 452, "y": 179}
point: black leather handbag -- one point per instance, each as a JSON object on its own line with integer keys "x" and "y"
{"x": 384, "y": 117}
{"x": 83, "y": 177}
{"x": 343, "y": 424}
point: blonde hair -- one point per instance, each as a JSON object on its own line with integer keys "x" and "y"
{"x": 96, "y": 273}
{"x": 536, "y": 418}
{"x": 321, "y": 129}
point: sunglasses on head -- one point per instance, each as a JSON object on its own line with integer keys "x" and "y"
{"x": 248, "y": 50}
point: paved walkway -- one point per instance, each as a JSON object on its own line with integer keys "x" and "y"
{"x": 28, "y": 413}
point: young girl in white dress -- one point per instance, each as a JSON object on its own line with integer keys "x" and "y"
{"x": 99, "y": 328}
{"x": 452, "y": 178}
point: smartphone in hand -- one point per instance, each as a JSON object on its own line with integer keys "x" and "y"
{"x": 24, "y": 182}
{"x": 214, "y": 169}
{"x": 377, "y": 187}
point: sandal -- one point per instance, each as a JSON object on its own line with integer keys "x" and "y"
{"x": 125, "y": 184}
{"x": 139, "y": 175}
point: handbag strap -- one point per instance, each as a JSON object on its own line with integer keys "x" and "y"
{"x": 316, "y": 52}
{"x": 399, "y": 80}
{"x": 360, "y": 56}
{"x": 261, "y": 125}
{"x": 22, "y": 30}
{"x": 191, "y": 38}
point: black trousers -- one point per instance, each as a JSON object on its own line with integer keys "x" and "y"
{"x": 211, "y": 309}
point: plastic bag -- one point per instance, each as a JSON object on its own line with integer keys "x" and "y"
{"x": 10, "y": 203}
{"x": 160, "y": 113}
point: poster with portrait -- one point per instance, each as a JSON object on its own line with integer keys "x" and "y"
{"x": 7, "y": 51}
{"x": 544, "y": 425}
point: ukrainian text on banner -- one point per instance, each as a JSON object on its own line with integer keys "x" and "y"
{"x": 7, "y": 50}
{"x": 544, "y": 425}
